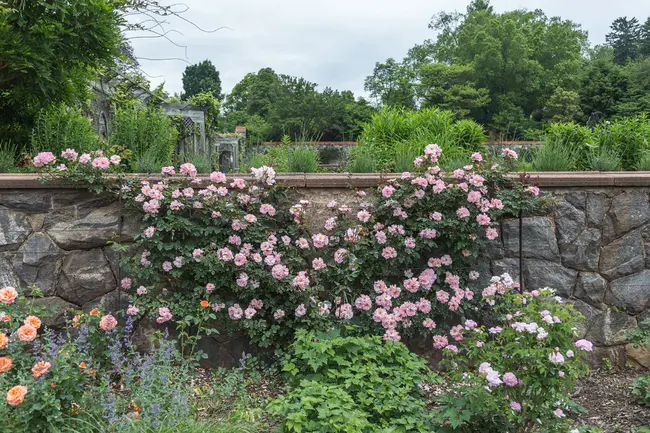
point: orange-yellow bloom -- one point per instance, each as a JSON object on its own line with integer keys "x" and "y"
{"x": 8, "y": 295}
{"x": 16, "y": 395}
{"x": 40, "y": 368}
{"x": 26, "y": 333}
{"x": 95, "y": 312}
{"x": 205, "y": 304}
{"x": 5, "y": 364}
{"x": 3, "y": 340}
{"x": 82, "y": 364}
{"x": 32, "y": 321}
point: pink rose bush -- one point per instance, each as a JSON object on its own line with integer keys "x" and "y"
{"x": 519, "y": 372}
{"x": 226, "y": 240}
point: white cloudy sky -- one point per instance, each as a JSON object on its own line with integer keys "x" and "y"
{"x": 331, "y": 42}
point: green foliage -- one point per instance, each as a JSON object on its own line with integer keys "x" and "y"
{"x": 50, "y": 51}
{"x": 629, "y": 138}
{"x": 563, "y": 106}
{"x": 393, "y": 129}
{"x": 644, "y": 162}
{"x": 301, "y": 159}
{"x": 59, "y": 128}
{"x": 147, "y": 132}
{"x": 352, "y": 385}
{"x": 200, "y": 78}
{"x": 271, "y": 105}
{"x": 641, "y": 390}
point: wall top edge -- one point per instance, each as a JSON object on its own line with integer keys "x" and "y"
{"x": 354, "y": 180}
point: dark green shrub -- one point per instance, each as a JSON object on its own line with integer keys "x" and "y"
{"x": 8, "y": 156}
{"x": 555, "y": 156}
{"x": 603, "y": 159}
{"x": 352, "y": 385}
{"x": 362, "y": 160}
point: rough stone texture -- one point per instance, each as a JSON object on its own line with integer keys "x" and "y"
{"x": 591, "y": 288}
{"x": 639, "y": 356}
{"x": 539, "y": 241}
{"x": 85, "y": 275}
{"x": 540, "y": 273}
{"x": 596, "y": 208}
{"x": 609, "y": 328}
{"x": 629, "y": 210}
{"x": 509, "y": 266}
{"x": 570, "y": 221}
{"x": 633, "y": 292}
{"x": 75, "y": 229}
{"x": 584, "y": 251}
{"x": 589, "y": 312}
{"x": 13, "y": 229}
{"x": 38, "y": 262}
{"x": 8, "y": 277}
{"x": 624, "y": 256}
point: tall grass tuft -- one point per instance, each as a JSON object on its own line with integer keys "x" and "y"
{"x": 61, "y": 127}
{"x": 603, "y": 159}
{"x": 362, "y": 160}
{"x": 301, "y": 159}
{"x": 555, "y": 156}
{"x": 8, "y": 155}
{"x": 643, "y": 164}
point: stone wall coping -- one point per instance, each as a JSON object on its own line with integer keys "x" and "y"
{"x": 357, "y": 180}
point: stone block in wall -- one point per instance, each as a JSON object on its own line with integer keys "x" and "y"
{"x": 577, "y": 199}
{"x": 73, "y": 228}
{"x": 583, "y": 253}
{"x": 539, "y": 241}
{"x": 591, "y": 288}
{"x": 38, "y": 262}
{"x": 85, "y": 276}
{"x": 570, "y": 221}
{"x": 542, "y": 273}
{"x": 494, "y": 248}
{"x": 628, "y": 211}
{"x": 112, "y": 302}
{"x": 14, "y": 229}
{"x": 596, "y": 207}
{"x": 610, "y": 327}
{"x": 632, "y": 292}
{"x": 607, "y": 357}
{"x": 624, "y": 256}
{"x": 8, "y": 277}
{"x": 638, "y": 356}
{"x": 57, "y": 311}
{"x": 589, "y": 313}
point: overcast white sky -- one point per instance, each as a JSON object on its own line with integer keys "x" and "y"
{"x": 331, "y": 42}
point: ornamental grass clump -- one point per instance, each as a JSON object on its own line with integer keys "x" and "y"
{"x": 517, "y": 373}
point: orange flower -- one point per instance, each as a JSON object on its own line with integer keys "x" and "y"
{"x": 95, "y": 312}
{"x": 53, "y": 385}
{"x": 33, "y": 321}
{"x": 8, "y": 295}
{"x": 16, "y": 395}
{"x": 107, "y": 322}
{"x": 82, "y": 364}
{"x": 205, "y": 304}
{"x": 74, "y": 408}
{"x": 5, "y": 364}
{"x": 134, "y": 407}
{"x": 5, "y": 317}
{"x": 3, "y": 340}
{"x": 26, "y": 333}
{"x": 76, "y": 318}
{"x": 40, "y": 368}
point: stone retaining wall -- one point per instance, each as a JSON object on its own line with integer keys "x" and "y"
{"x": 592, "y": 245}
